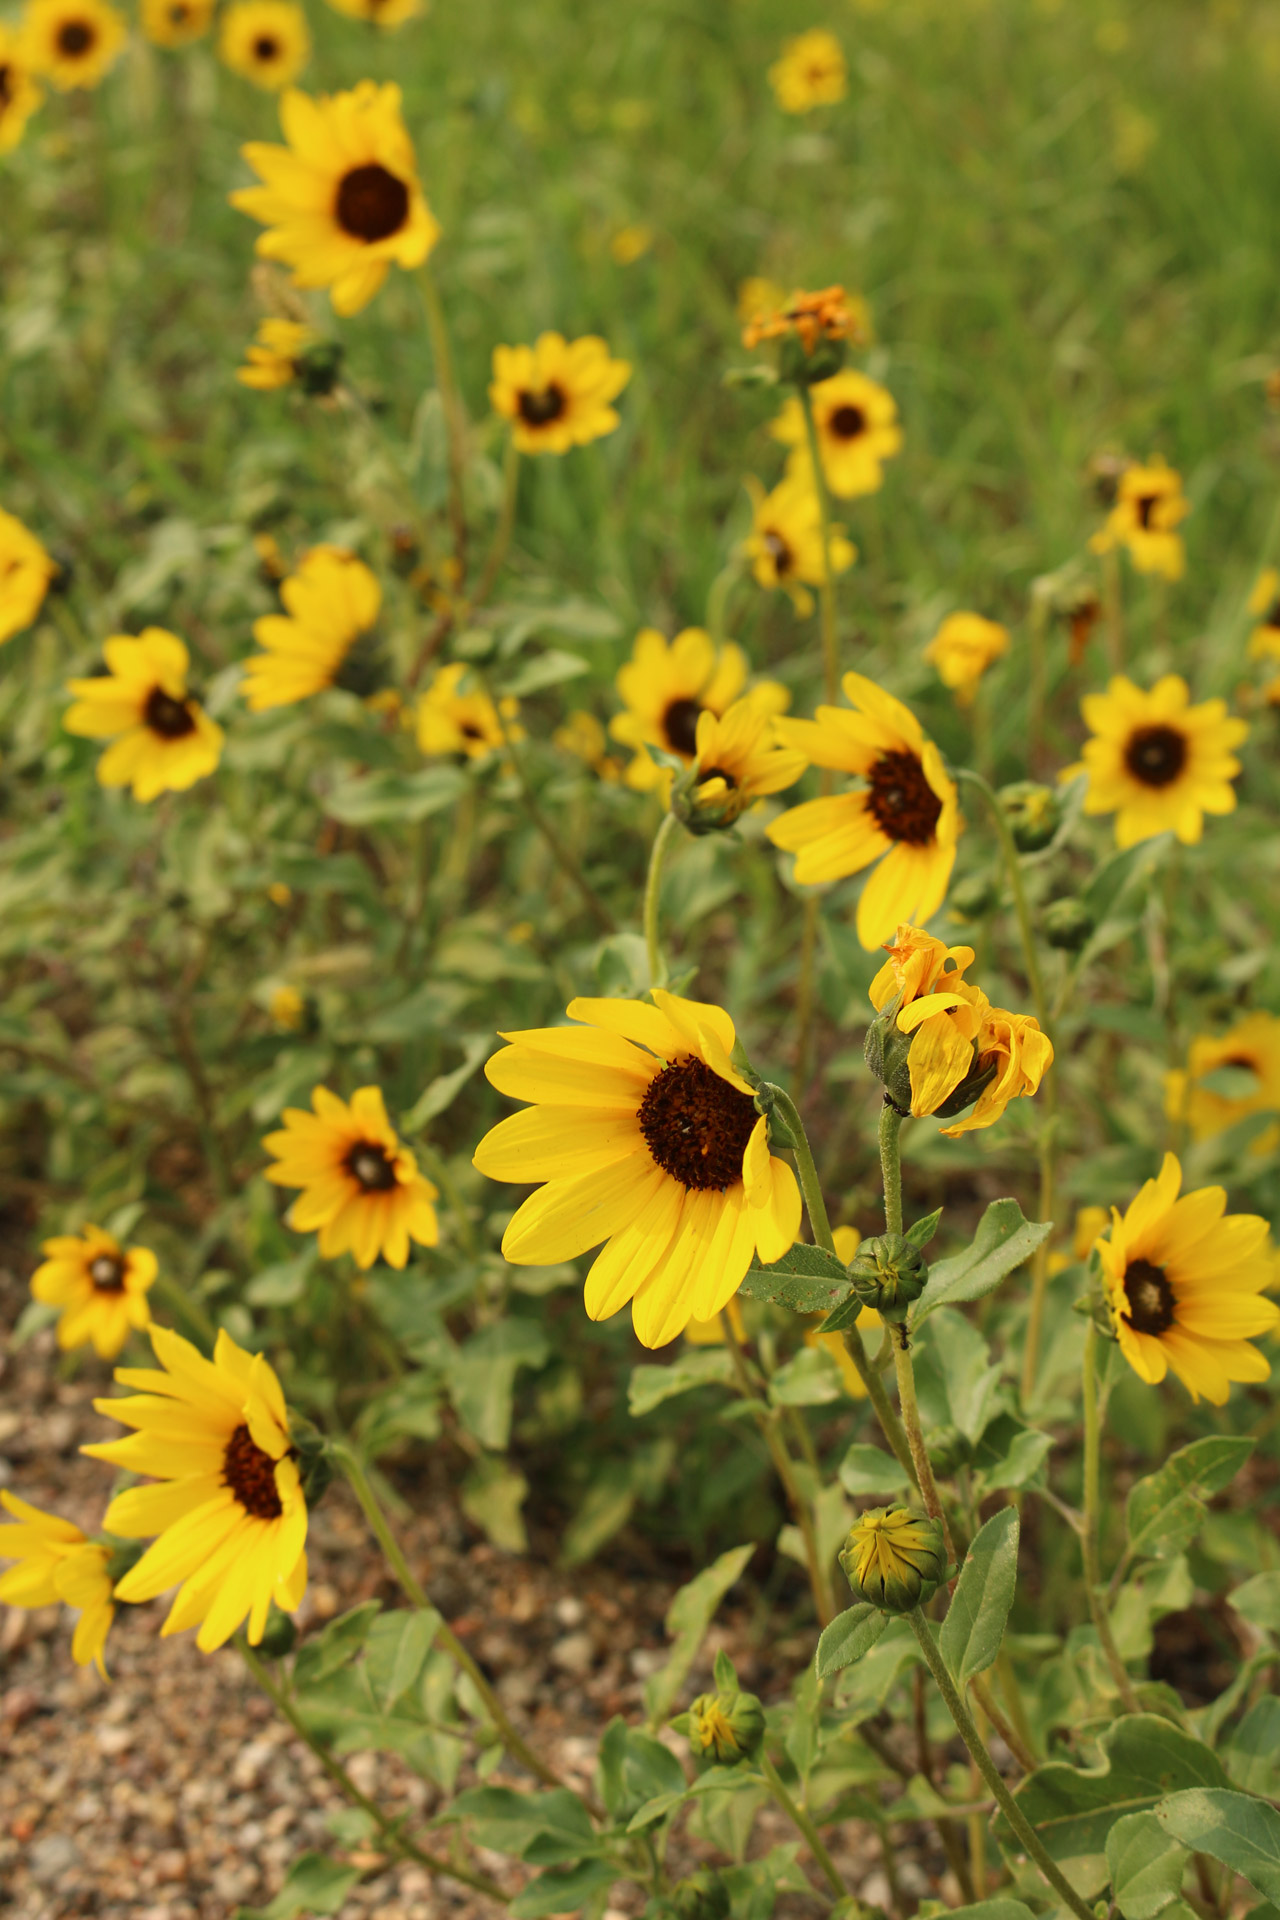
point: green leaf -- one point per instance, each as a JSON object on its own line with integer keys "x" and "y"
{"x": 810, "y": 1379}
{"x": 516, "y": 1823}
{"x": 1258, "y": 1601}
{"x": 1165, "y": 1510}
{"x": 697, "y": 1367}
{"x": 335, "y": 1645}
{"x": 868, "y": 1469}
{"x": 1253, "y": 1755}
{"x": 923, "y": 1231}
{"x": 1145, "y": 1865}
{"x": 1004, "y": 1240}
{"x": 377, "y": 798}
{"x": 441, "y": 1092}
{"x": 971, "y": 1379}
{"x": 974, "y": 1626}
{"x": 605, "y": 1509}
{"x": 482, "y": 1376}
{"x": 315, "y": 1884}
{"x": 1009, "y": 1455}
{"x": 848, "y": 1637}
{"x": 280, "y": 1284}
{"x": 1232, "y": 1827}
{"x": 688, "y": 1618}
{"x": 806, "y": 1280}
{"x": 492, "y": 1495}
{"x": 992, "y": 1910}
{"x": 549, "y": 669}
{"x": 396, "y": 1651}
{"x": 563, "y": 1892}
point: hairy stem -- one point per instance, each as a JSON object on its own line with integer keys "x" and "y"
{"x": 891, "y": 1164}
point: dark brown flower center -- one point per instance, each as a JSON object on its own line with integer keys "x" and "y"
{"x": 106, "y": 1271}
{"x": 1150, "y": 1297}
{"x": 901, "y": 800}
{"x": 696, "y": 1125}
{"x": 1156, "y": 755}
{"x": 539, "y": 406}
{"x": 680, "y": 726}
{"x": 251, "y": 1475}
{"x": 470, "y": 731}
{"x": 848, "y": 422}
{"x": 75, "y": 37}
{"x": 171, "y": 719}
{"x": 6, "y": 87}
{"x": 1272, "y": 619}
{"x": 178, "y": 13}
{"x": 372, "y": 203}
{"x": 370, "y": 1165}
{"x": 266, "y": 47}
{"x": 1146, "y": 506}
{"x": 779, "y": 551}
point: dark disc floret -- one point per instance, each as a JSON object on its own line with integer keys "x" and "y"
{"x": 75, "y": 37}
{"x": 1150, "y": 1297}
{"x": 372, "y": 203}
{"x": 696, "y": 1125}
{"x": 251, "y": 1475}
{"x": 539, "y": 406}
{"x": 904, "y": 805}
{"x": 106, "y": 1271}
{"x": 370, "y": 1165}
{"x": 171, "y": 719}
{"x": 847, "y": 422}
{"x": 1156, "y": 755}
{"x": 680, "y": 726}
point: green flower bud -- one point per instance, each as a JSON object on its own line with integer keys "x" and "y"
{"x": 311, "y": 1450}
{"x": 123, "y": 1555}
{"x": 1067, "y": 923}
{"x": 894, "y": 1559}
{"x": 885, "y": 1051}
{"x": 320, "y": 366}
{"x": 1034, "y": 814}
{"x": 726, "y": 1727}
{"x": 806, "y": 369}
{"x": 710, "y": 816}
{"x": 699, "y": 1896}
{"x": 888, "y": 1273}
{"x": 974, "y": 897}
{"x": 279, "y": 1636}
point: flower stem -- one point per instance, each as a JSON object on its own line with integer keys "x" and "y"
{"x": 891, "y": 1164}
{"x": 803, "y": 1824}
{"x": 455, "y": 425}
{"x": 653, "y": 899}
{"x": 388, "y": 1828}
{"x": 910, "y": 1409}
{"x": 503, "y": 531}
{"x": 987, "y": 1768}
{"x": 1089, "y": 1531}
{"x": 827, "y": 591}
{"x": 718, "y": 599}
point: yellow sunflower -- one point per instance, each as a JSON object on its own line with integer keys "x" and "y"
{"x": 269, "y": 43}
{"x": 341, "y": 203}
{"x": 1245, "y": 1064}
{"x": 58, "y": 1564}
{"x": 583, "y": 736}
{"x": 1155, "y": 762}
{"x": 810, "y": 72}
{"x": 907, "y": 812}
{"x": 739, "y": 760}
{"x": 1264, "y": 604}
{"x": 175, "y": 23}
{"x": 962, "y": 649}
{"x": 162, "y": 738}
{"x": 229, "y": 1508}
{"x": 647, "y": 1138}
{"x": 785, "y": 542}
{"x": 856, "y": 420}
{"x": 25, "y": 568}
{"x": 20, "y": 95}
{"x": 847, "y": 1240}
{"x": 331, "y": 604}
{"x": 100, "y": 1286}
{"x": 1148, "y": 510}
{"x": 1183, "y": 1281}
{"x": 556, "y": 393}
{"x": 451, "y": 721}
{"x": 72, "y": 43}
{"x": 359, "y": 1185}
{"x": 386, "y": 14}
{"x": 667, "y": 686}
{"x": 272, "y": 360}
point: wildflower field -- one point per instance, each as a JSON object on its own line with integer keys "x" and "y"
{"x": 640, "y": 1017}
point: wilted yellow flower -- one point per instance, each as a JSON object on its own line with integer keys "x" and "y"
{"x": 162, "y": 738}
{"x": 1156, "y": 762}
{"x": 20, "y": 95}
{"x": 25, "y": 568}
{"x": 1227, "y": 1078}
{"x": 962, "y": 649}
{"x": 811, "y": 72}
{"x": 99, "y": 1286}
{"x": 331, "y": 606}
{"x": 785, "y": 542}
{"x": 811, "y": 318}
{"x": 267, "y": 42}
{"x": 451, "y": 721}
{"x": 557, "y": 393}
{"x": 667, "y": 686}
{"x": 360, "y": 1186}
{"x": 175, "y": 23}
{"x": 1149, "y": 508}
{"x": 57, "y": 1563}
{"x": 856, "y": 421}
{"x": 72, "y": 43}
{"x": 894, "y": 1558}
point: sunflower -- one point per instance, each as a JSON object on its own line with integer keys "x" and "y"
{"x": 1158, "y": 764}
{"x": 906, "y": 812}
{"x": 810, "y": 72}
{"x": 1227, "y": 1078}
{"x": 1183, "y": 1280}
{"x": 20, "y": 95}
{"x": 647, "y": 1138}
{"x": 386, "y": 14}
{"x": 72, "y": 43}
{"x": 451, "y": 721}
{"x": 785, "y": 542}
{"x": 58, "y": 1563}
{"x": 342, "y": 201}
{"x": 162, "y": 738}
{"x": 269, "y": 43}
{"x": 331, "y": 603}
{"x": 25, "y": 568}
{"x": 847, "y": 1240}
{"x": 856, "y": 420}
{"x": 100, "y": 1286}
{"x": 229, "y": 1509}
{"x": 1149, "y": 507}
{"x": 359, "y": 1185}
{"x": 1264, "y": 604}
{"x": 175, "y": 23}
{"x": 583, "y": 736}
{"x": 962, "y": 649}
{"x": 273, "y": 360}
{"x": 556, "y": 393}
{"x": 739, "y": 760}
{"x": 667, "y": 686}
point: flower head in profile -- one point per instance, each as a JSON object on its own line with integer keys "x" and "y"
{"x": 72, "y": 43}
{"x": 557, "y": 393}
{"x": 331, "y": 606}
{"x": 644, "y": 1135}
{"x": 341, "y": 202}
{"x": 1264, "y": 641}
{"x": 1184, "y": 1282}
{"x": 57, "y": 1564}
{"x": 847, "y": 1240}
{"x": 905, "y": 816}
{"x": 962, "y": 649}
{"x": 99, "y": 1287}
{"x": 266, "y": 42}
{"x": 1228, "y": 1078}
{"x": 26, "y": 570}
{"x": 288, "y": 352}
{"x": 828, "y": 316}
{"x": 1156, "y": 762}
{"x": 894, "y": 1558}
{"x": 666, "y": 686}
{"x": 856, "y": 421}
{"x": 739, "y": 760}
{"x": 455, "y": 718}
{"x": 20, "y": 95}
{"x": 1149, "y": 508}
{"x": 162, "y": 738}
{"x": 785, "y": 542}
{"x": 584, "y": 737}
{"x": 360, "y": 1185}
{"x": 810, "y": 72}
{"x": 175, "y": 23}
{"x": 227, "y": 1505}
{"x": 387, "y": 14}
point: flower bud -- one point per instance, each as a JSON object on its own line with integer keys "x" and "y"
{"x": 888, "y": 1273}
{"x": 1067, "y": 923}
{"x": 803, "y": 368}
{"x": 279, "y": 1636}
{"x": 974, "y": 897}
{"x": 894, "y": 1559}
{"x": 699, "y": 1896}
{"x": 726, "y": 1727}
{"x": 1034, "y": 814}
{"x": 319, "y": 367}
{"x": 885, "y": 1051}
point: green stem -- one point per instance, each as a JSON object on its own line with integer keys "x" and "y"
{"x": 504, "y": 529}
{"x": 891, "y": 1120}
{"x": 387, "y": 1827}
{"x": 437, "y": 1169}
{"x": 653, "y": 899}
{"x": 1089, "y": 1531}
{"x": 1020, "y": 1748}
{"x": 803, "y": 1824}
{"x": 1016, "y": 1704}
{"x": 454, "y": 418}
{"x": 909, "y": 1408}
{"x": 987, "y": 1768}
{"x": 827, "y": 591}
{"x": 718, "y": 600}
